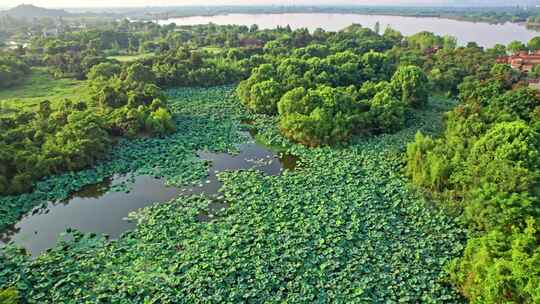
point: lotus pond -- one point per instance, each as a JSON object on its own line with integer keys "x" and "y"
{"x": 103, "y": 208}
{"x": 344, "y": 227}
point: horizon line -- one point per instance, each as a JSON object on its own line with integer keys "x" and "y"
{"x": 281, "y": 5}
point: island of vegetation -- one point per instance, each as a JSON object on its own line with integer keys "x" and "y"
{"x": 417, "y": 178}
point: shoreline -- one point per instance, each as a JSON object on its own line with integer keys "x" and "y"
{"x": 435, "y": 16}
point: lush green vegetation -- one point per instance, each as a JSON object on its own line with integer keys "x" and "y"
{"x": 325, "y": 95}
{"x": 12, "y": 71}
{"x": 485, "y": 166}
{"x": 44, "y": 141}
{"x": 345, "y": 227}
{"x": 9, "y": 296}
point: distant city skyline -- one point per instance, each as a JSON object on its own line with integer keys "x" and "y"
{"x": 134, "y": 3}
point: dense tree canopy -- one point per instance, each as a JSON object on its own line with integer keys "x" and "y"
{"x": 324, "y": 95}
{"x": 486, "y": 166}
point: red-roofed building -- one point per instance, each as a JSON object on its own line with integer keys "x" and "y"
{"x": 523, "y": 61}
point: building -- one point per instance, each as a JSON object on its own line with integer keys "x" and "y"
{"x": 523, "y": 61}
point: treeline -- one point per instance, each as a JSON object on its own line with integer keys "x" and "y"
{"x": 486, "y": 167}
{"x": 33, "y": 144}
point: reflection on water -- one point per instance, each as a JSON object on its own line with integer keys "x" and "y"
{"x": 484, "y": 34}
{"x": 98, "y": 209}
{"x": 95, "y": 209}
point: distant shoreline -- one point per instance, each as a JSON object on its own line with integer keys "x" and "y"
{"x": 436, "y": 16}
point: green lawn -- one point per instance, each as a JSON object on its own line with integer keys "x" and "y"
{"x": 42, "y": 86}
{"x": 130, "y": 58}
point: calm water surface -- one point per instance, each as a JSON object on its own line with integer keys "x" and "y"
{"x": 98, "y": 209}
{"x": 484, "y": 34}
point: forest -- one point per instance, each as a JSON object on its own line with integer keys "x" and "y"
{"x": 417, "y": 180}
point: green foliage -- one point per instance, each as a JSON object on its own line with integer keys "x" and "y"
{"x": 12, "y": 71}
{"x": 534, "y": 44}
{"x": 410, "y": 85}
{"x": 387, "y": 112}
{"x": 104, "y": 70}
{"x": 448, "y": 67}
{"x": 138, "y": 73}
{"x": 486, "y": 165}
{"x": 311, "y": 86}
{"x": 503, "y": 74}
{"x": 500, "y": 267}
{"x": 345, "y": 227}
{"x": 515, "y": 47}
{"x": 317, "y": 117}
{"x": 9, "y": 296}
{"x": 49, "y": 142}
{"x": 185, "y": 67}
{"x": 264, "y": 97}
{"x": 130, "y": 101}
{"x": 74, "y": 136}
{"x": 425, "y": 40}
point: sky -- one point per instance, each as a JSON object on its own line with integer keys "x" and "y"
{"x": 131, "y": 3}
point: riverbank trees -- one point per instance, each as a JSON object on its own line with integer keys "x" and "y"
{"x": 485, "y": 167}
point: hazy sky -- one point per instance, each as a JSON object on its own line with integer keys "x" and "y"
{"x": 109, "y": 3}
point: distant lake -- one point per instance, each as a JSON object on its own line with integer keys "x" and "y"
{"x": 484, "y": 34}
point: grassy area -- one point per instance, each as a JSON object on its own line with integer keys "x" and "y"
{"x": 131, "y": 58}
{"x": 42, "y": 86}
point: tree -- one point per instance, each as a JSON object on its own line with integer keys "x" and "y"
{"x": 139, "y": 73}
{"x": 504, "y": 74}
{"x": 9, "y": 296}
{"x": 318, "y": 116}
{"x": 104, "y": 71}
{"x": 392, "y": 35}
{"x": 410, "y": 85}
{"x": 516, "y": 46}
{"x": 376, "y": 66}
{"x": 449, "y": 42}
{"x": 387, "y": 112}
{"x": 497, "y": 50}
{"x": 534, "y": 44}
{"x": 425, "y": 40}
{"x": 262, "y": 73}
{"x": 264, "y": 97}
